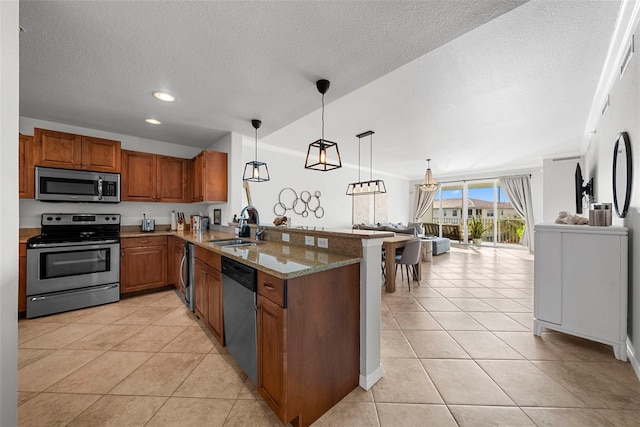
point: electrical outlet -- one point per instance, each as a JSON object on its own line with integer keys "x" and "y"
{"x": 323, "y": 242}
{"x": 308, "y": 240}
{"x": 285, "y": 237}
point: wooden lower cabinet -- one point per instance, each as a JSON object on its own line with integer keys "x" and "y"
{"x": 208, "y": 291}
{"x": 22, "y": 278}
{"x": 308, "y": 342}
{"x": 143, "y": 263}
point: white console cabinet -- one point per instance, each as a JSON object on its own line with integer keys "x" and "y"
{"x": 580, "y": 285}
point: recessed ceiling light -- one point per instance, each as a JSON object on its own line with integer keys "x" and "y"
{"x": 153, "y": 121}
{"x": 164, "y": 96}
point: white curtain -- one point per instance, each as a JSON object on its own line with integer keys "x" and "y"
{"x": 424, "y": 200}
{"x": 518, "y": 189}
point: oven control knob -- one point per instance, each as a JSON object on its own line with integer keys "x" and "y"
{"x": 49, "y": 218}
{"x": 113, "y": 218}
{"x": 58, "y": 218}
{"x": 106, "y": 218}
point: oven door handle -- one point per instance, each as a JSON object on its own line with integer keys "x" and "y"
{"x": 74, "y": 291}
{"x": 65, "y": 244}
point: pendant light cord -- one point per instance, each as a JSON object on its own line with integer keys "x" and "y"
{"x": 322, "y": 143}
{"x": 371, "y": 157}
{"x": 359, "y": 144}
{"x": 256, "y": 145}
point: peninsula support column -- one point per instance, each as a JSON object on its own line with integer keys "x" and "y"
{"x": 370, "y": 300}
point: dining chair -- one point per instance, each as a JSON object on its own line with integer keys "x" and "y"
{"x": 410, "y": 257}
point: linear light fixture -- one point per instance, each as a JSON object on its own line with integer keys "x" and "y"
{"x": 256, "y": 171}
{"x": 320, "y": 155}
{"x": 373, "y": 186}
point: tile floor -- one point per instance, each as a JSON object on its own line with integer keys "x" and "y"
{"x": 457, "y": 350}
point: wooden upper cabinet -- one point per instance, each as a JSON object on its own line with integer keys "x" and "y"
{"x": 25, "y": 167}
{"x": 151, "y": 178}
{"x": 71, "y": 151}
{"x": 209, "y": 177}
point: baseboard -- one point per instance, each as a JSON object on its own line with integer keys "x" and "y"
{"x": 367, "y": 381}
{"x": 633, "y": 359}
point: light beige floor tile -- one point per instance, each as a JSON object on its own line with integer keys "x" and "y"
{"x": 405, "y": 381}
{"x": 525, "y": 319}
{"x": 53, "y": 409}
{"x": 553, "y": 417}
{"x": 151, "y": 338}
{"x": 410, "y": 321}
{"x": 456, "y": 321}
{"x": 52, "y": 368}
{"x": 453, "y": 293}
{"x": 527, "y": 302}
{"x": 27, "y": 356}
{"x": 403, "y": 304}
{"x": 144, "y": 299}
{"x": 395, "y": 414}
{"x": 583, "y": 349}
{"x": 105, "y": 338}
{"x": 484, "y": 345}
{"x": 435, "y": 345}
{"x": 119, "y": 411}
{"x": 497, "y": 321}
{"x": 25, "y": 396}
{"x": 180, "y": 316}
{"x": 159, "y": 376}
{"x": 194, "y": 412}
{"x": 534, "y": 347}
{"x": 349, "y": 413}
{"x": 437, "y": 304}
{"x": 145, "y": 316}
{"x": 484, "y": 293}
{"x": 214, "y": 377}
{"x": 471, "y": 304}
{"x": 168, "y": 299}
{"x": 109, "y": 314}
{"x": 463, "y": 382}
{"x": 61, "y": 337}
{"x": 424, "y": 291}
{"x": 621, "y": 418}
{"x": 394, "y": 344}
{"x": 513, "y": 293}
{"x": 593, "y": 384}
{"x": 529, "y": 386}
{"x": 507, "y": 305}
{"x": 191, "y": 340}
{"x": 388, "y": 320}
{"x": 72, "y": 316}
{"x": 440, "y": 283}
{"x": 359, "y": 395}
{"x": 28, "y": 330}
{"x": 482, "y": 416}
{"x": 249, "y": 390}
{"x": 254, "y": 413}
{"x": 102, "y": 373}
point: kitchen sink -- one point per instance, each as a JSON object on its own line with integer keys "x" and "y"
{"x": 234, "y": 242}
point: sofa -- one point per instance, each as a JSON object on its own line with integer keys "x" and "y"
{"x": 450, "y": 231}
{"x": 394, "y": 227}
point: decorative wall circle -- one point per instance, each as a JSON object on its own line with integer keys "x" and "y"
{"x": 288, "y": 200}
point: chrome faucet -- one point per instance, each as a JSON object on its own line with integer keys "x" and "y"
{"x": 242, "y": 222}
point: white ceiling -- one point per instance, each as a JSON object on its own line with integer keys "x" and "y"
{"x": 475, "y": 85}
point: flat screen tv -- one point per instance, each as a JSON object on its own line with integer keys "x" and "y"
{"x": 580, "y": 190}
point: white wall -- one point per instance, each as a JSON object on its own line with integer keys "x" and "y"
{"x": 9, "y": 83}
{"x": 622, "y": 115}
{"x": 232, "y": 145}
{"x": 558, "y": 186}
{"x": 286, "y": 169}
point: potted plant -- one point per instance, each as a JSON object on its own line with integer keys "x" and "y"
{"x": 476, "y": 230}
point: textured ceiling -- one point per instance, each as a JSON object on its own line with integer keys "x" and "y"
{"x": 476, "y": 85}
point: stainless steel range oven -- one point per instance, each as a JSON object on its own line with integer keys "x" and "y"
{"x": 74, "y": 263}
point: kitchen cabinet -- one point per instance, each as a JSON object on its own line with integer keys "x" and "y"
{"x": 174, "y": 262}
{"x": 143, "y": 263}
{"x": 308, "y": 341}
{"x": 151, "y": 178}
{"x": 22, "y": 278}
{"x": 71, "y": 151}
{"x": 25, "y": 166}
{"x": 209, "y": 177}
{"x": 580, "y": 282}
{"x": 208, "y": 291}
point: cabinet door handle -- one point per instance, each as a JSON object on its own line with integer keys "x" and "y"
{"x": 269, "y": 287}
{"x": 122, "y": 253}
{"x": 144, "y": 241}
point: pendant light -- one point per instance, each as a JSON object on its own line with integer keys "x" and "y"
{"x": 320, "y": 155}
{"x": 429, "y": 184}
{"x": 373, "y": 186}
{"x": 256, "y": 171}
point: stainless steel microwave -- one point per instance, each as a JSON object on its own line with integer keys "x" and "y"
{"x": 70, "y": 185}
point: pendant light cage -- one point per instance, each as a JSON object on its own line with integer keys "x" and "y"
{"x": 372, "y": 186}
{"x": 429, "y": 183}
{"x": 323, "y": 155}
{"x": 256, "y": 171}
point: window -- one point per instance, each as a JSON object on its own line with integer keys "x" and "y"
{"x": 444, "y": 212}
{"x": 454, "y": 212}
{"x": 470, "y": 212}
{"x": 490, "y": 213}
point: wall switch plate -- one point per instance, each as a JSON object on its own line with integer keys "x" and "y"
{"x": 308, "y": 240}
{"x": 323, "y": 242}
{"x": 285, "y": 237}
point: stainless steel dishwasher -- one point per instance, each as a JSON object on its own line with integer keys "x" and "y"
{"x": 239, "y": 311}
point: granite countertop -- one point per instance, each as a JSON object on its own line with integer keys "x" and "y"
{"x": 284, "y": 261}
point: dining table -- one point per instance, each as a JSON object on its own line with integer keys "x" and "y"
{"x": 390, "y": 244}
